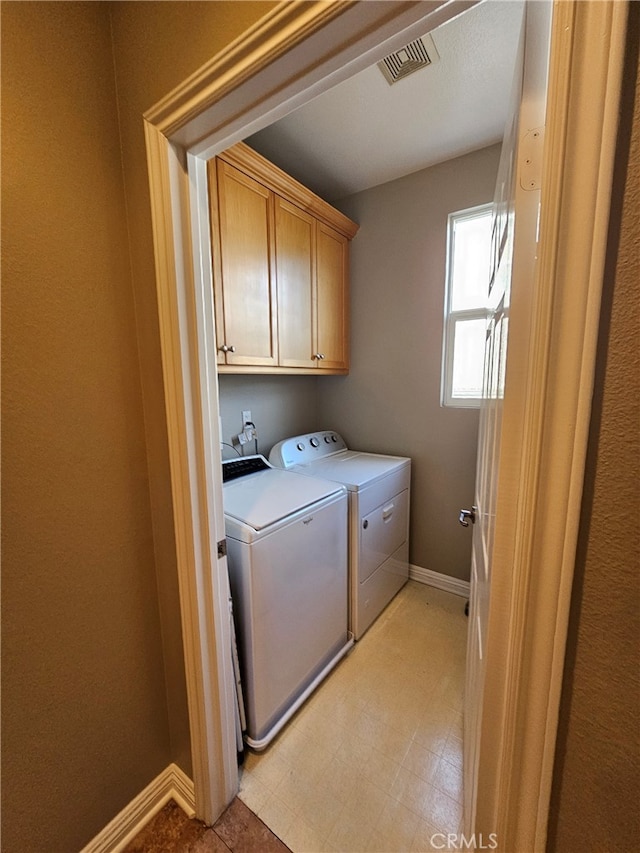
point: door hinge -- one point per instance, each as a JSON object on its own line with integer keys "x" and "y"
{"x": 222, "y": 548}
{"x": 531, "y": 147}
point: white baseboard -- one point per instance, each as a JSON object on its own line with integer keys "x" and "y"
{"x": 439, "y": 581}
{"x": 171, "y": 784}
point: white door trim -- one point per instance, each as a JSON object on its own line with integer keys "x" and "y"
{"x": 293, "y": 53}
{"x": 197, "y": 493}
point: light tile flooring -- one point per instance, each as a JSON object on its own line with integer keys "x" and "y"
{"x": 373, "y": 760}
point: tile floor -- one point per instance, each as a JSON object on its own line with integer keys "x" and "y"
{"x": 373, "y": 760}
{"x": 237, "y": 830}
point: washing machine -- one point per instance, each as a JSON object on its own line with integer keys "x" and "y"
{"x": 379, "y": 492}
{"x": 286, "y": 540}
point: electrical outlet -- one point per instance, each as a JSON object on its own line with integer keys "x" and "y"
{"x": 246, "y": 417}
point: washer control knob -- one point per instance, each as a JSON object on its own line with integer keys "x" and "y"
{"x": 314, "y": 442}
{"x": 300, "y": 445}
{"x": 334, "y": 438}
{"x": 327, "y": 439}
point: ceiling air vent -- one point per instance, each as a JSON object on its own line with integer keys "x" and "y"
{"x": 413, "y": 56}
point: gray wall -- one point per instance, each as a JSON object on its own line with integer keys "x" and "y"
{"x": 390, "y": 402}
{"x": 280, "y": 406}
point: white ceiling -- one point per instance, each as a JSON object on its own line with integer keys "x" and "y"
{"x": 364, "y": 132}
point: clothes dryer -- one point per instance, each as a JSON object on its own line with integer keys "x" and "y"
{"x": 379, "y": 492}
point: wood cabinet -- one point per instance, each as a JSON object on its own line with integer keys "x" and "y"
{"x": 280, "y": 270}
{"x": 245, "y": 287}
{"x": 296, "y": 275}
{"x": 332, "y": 269}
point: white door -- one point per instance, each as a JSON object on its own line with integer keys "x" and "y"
{"x": 513, "y": 258}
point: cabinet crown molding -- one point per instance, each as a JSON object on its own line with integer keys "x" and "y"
{"x": 267, "y": 173}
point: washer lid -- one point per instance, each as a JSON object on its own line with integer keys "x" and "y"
{"x": 260, "y": 500}
{"x": 352, "y": 468}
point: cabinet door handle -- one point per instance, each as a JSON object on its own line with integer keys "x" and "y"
{"x": 225, "y": 348}
{"x": 319, "y": 355}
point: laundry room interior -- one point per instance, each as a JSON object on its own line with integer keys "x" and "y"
{"x": 375, "y": 754}
{"x": 390, "y": 400}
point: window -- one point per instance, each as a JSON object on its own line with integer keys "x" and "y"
{"x": 465, "y": 322}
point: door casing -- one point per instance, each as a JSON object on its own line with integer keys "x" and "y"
{"x": 289, "y": 56}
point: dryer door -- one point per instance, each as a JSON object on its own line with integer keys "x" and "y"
{"x": 382, "y": 532}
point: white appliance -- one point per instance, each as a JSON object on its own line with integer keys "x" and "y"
{"x": 379, "y": 489}
{"x": 287, "y": 557}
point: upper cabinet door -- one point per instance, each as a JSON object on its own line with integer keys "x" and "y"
{"x": 248, "y": 331}
{"x": 295, "y": 273}
{"x": 332, "y": 311}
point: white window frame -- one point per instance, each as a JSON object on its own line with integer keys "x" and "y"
{"x": 451, "y": 318}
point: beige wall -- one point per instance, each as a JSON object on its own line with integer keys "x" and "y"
{"x": 390, "y": 402}
{"x": 88, "y": 717}
{"x": 84, "y": 717}
{"x": 596, "y": 791}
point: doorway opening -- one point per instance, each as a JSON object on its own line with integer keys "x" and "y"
{"x": 448, "y": 437}
{"x": 193, "y": 124}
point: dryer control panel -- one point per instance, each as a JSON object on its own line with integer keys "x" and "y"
{"x": 301, "y": 449}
